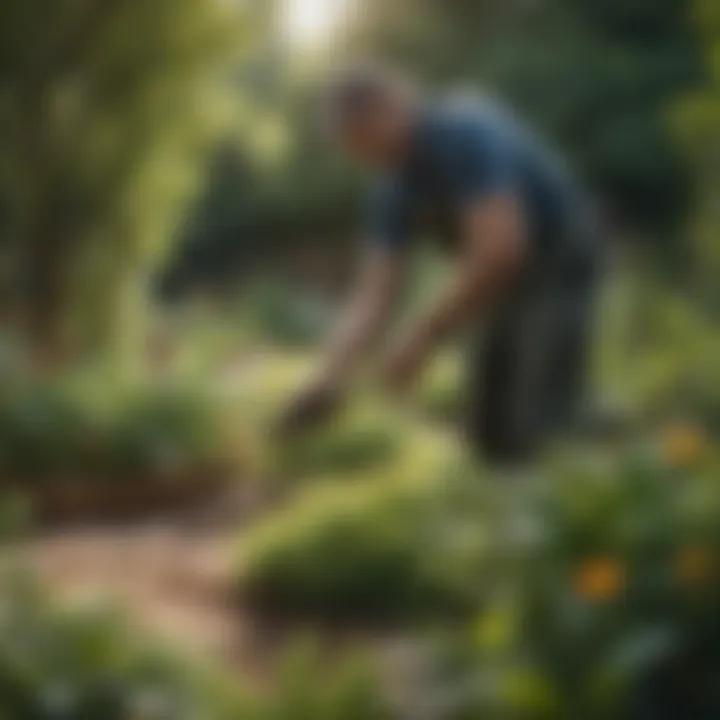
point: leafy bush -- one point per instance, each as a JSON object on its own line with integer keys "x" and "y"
{"x": 367, "y": 435}
{"x": 367, "y": 438}
{"x": 441, "y": 393}
{"x": 308, "y": 689}
{"x": 282, "y": 316}
{"x": 84, "y": 663}
{"x": 81, "y": 664}
{"x": 376, "y": 547}
{"x": 262, "y": 388}
{"x": 659, "y": 353}
{"x": 53, "y": 431}
{"x": 161, "y": 430}
{"x": 610, "y": 584}
{"x": 42, "y": 430}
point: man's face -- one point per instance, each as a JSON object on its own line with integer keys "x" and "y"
{"x": 375, "y": 138}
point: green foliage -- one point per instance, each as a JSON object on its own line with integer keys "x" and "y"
{"x": 306, "y": 691}
{"x": 366, "y": 435}
{"x": 367, "y": 439}
{"x": 611, "y": 573}
{"x": 374, "y": 549}
{"x": 55, "y": 431}
{"x": 657, "y": 352}
{"x": 162, "y": 430}
{"x": 72, "y": 664}
{"x": 85, "y": 664}
{"x": 267, "y": 382}
{"x": 281, "y": 316}
{"x": 105, "y": 118}
{"x": 440, "y": 396}
{"x": 256, "y": 211}
{"x": 696, "y": 127}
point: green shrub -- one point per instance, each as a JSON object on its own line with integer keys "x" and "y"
{"x": 86, "y": 663}
{"x": 266, "y": 385}
{"x": 611, "y": 579}
{"x": 366, "y": 438}
{"x": 367, "y": 435}
{"x": 307, "y": 689}
{"x": 51, "y": 431}
{"x": 41, "y": 429}
{"x": 280, "y": 316}
{"x": 161, "y": 430}
{"x": 376, "y": 547}
{"x": 659, "y": 353}
{"x": 441, "y": 391}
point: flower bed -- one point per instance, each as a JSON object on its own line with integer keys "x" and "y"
{"x": 607, "y": 600}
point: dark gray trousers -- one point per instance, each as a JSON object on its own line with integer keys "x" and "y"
{"x": 528, "y": 369}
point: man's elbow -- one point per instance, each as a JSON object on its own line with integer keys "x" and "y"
{"x": 507, "y": 257}
{"x": 501, "y": 247}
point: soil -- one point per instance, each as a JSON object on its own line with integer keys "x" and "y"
{"x": 172, "y": 575}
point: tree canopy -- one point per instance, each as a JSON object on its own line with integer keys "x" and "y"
{"x": 106, "y": 110}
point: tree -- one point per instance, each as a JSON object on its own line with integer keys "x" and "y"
{"x": 106, "y": 110}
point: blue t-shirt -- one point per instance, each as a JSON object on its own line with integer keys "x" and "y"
{"x": 466, "y": 149}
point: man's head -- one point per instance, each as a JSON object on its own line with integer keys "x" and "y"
{"x": 370, "y": 111}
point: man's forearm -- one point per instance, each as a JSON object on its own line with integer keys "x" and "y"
{"x": 357, "y": 330}
{"x": 470, "y": 291}
{"x": 365, "y": 319}
{"x": 495, "y": 252}
{"x": 468, "y": 294}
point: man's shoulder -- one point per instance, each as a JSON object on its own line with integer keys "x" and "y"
{"x": 461, "y": 108}
{"x": 461, "y": 116}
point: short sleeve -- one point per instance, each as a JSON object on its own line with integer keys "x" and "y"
{"x": 389, "y": 215}
{"x": 479, "y": 165}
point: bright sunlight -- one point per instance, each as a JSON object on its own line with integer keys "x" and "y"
{"x": 311, "y": 22}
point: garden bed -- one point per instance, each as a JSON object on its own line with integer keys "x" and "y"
{"x": 99, "y": 451}
{"x": 75, "y": 499}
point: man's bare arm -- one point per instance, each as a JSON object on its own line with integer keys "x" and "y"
{"x": 359, "y": 325}
{"x": 364, "y": 319}
{"x": 495, "y": 249}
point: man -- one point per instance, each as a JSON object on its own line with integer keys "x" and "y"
{"x": 525, "y": 255}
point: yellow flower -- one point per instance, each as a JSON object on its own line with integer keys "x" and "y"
{"x": 599, "y": 579}
{"x": 684, "y": 445}
{"x": 694, "y": 565}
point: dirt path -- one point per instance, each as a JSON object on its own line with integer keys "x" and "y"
{"x": 172, "y": 575}
{"x": 173, "y": 578}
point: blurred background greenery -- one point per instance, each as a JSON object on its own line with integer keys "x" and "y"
{"x": 173, "y": 243}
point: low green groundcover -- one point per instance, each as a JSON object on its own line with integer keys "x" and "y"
{"x": 83, "y": 664}
{"x": 51, "y": 431}
{"x": 377, "y": 547}
{"x": 607, "y": 602}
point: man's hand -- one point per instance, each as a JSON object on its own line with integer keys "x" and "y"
{"x": 359, "y": 326}
{"x": 314, "y": 406}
